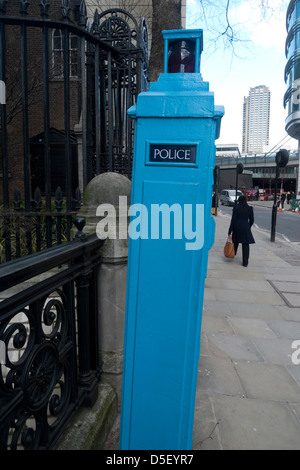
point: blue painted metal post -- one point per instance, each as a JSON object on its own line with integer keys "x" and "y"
{"x": 171, "y": 232}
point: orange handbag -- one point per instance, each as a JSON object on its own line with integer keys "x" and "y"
{"x": 229, "y": 248}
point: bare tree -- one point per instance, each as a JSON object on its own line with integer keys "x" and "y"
{"x": 215, "y": 15}
{"x": 218, "y": 19}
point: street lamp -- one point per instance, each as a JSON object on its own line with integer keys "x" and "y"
{"x": 239, "y": 171}
{"x": 282, "y": 158}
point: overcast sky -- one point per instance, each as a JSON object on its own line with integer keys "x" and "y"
{"x": 259, "y": 59}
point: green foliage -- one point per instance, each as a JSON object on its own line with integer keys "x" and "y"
{"x": 28, "y": 231}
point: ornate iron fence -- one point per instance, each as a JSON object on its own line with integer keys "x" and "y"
{"x": 69, "y": 82}
{"x": 49, "y": 352}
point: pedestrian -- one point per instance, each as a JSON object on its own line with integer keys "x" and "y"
{"x": 240, "y": 227}
{"x": 282, "y": 199}
{"x": 288, "y": 197}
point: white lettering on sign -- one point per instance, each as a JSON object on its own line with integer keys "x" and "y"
{"x": 172, "y": 154}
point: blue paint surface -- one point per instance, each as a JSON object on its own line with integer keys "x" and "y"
{"x": 165, "y": 283}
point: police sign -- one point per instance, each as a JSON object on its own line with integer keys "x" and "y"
{"x": 172, "y": 153}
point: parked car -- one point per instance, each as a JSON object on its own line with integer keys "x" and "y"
{"x": 228, "y": 196}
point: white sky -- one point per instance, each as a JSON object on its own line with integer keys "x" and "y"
{"x": 258, "y": 60}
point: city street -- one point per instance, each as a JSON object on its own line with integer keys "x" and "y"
{"x": 287, "y": 223}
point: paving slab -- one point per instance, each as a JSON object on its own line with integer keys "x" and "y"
{"x": 285, "y": 329}
{"x": 247, "y": 284}
{"x": 289, "y": 314}
{"x": 267, "y": 381}
{"x": 254, "y": 297}
{"x": 251, "y": 327}
{"x": 218, "y": 376}
{"x": 216, "y": 324}
{"x": 236, "y": 347}
{"x": 281, "y": 276}
{"x": 294, "y": 371}
{"x": 255, "y": 424}
{"x": 275, "y": 351}
{"x": 288, "y": 286}
{"x": 215, "y": 307}
{"x": 206, "y": 434}
{"x": 250, "y": 310}
{"x": 292, "y": 299}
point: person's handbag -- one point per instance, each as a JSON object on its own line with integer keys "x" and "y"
{"x": 229, "y": 248}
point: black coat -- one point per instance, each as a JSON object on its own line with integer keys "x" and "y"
{"x": 241, "y": 222}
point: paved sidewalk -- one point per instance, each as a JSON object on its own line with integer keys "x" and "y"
{"x": 248, "y": 389}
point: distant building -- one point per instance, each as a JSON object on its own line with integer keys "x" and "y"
{"x": 292, "y": 70}
{"x": 256, "y": 120}
{"x": 227, "y": 150}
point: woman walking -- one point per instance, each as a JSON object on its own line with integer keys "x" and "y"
{"x": 240, "y": 227}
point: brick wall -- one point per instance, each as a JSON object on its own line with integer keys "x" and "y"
{"x": 35, "y": 91}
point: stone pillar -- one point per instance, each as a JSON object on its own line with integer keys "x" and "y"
{"x": 106, "y": 189}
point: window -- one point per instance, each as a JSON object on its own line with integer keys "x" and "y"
{"x": 58, "y": 54}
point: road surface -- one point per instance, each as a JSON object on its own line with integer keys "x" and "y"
{"x": 287, "y": 223}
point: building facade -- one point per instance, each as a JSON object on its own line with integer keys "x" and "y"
{"x": 138, "y": 8}
{"x": 256, "y": 120}
{"x": 291, "y": 99}
{"x": 292, "y": 69}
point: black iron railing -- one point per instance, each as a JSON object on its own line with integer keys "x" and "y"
{"x": 69, "y": 83}
{"x": 49, "y": 352}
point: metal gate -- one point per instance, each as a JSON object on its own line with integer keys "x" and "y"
{"x": 69, "y": 81}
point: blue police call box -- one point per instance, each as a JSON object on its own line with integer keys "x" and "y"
{"x": 171, "y": 232}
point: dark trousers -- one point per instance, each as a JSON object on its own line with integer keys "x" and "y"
{"x": 245, "y": 252}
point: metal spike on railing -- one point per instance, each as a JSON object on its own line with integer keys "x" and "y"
{"x": 3, "y": 4}
{"x": 23, "y": 7}
{"x": 58, "y": 198}
{"x": 96, "y": 23}
{"x": 82, "y": 14}
{"x": 44, "y": 7}
{"x": 76, "y": 201}
{"x": 65, "y": 9}
{"x": 37, "y": 201}
{"x": 17, "y": 199}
